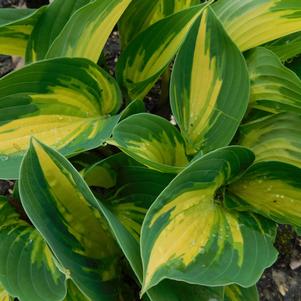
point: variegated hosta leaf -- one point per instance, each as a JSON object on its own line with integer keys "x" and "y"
{"x": 46, "y": 30}
{"x": 84, "y": 247}
{"x": 65, "y": 102}
{"x": 133, "y": 188}
{"x": 148, "y": 55}
{"x": 251, "y": 23}
{"x": 16, "y": 26}
{"x": 152, "y": 141}
{"x": 274, "y": 138}
{"x": 4, "y": 296}
{"x": 141, "y": 14}
{"x": 88, "y": 29}
{"x": 272, "y": 189}
{"x": 238, "y": 293}
{"x": 209, "y": 87}
{"x": 189, "y": 235}
{"x": 27, "y": 267}
{"x": 74, "y": 294}
{"x": 65, "y": 212}
{"x": 274, "y": 88}
{"x": 286, "y": 47}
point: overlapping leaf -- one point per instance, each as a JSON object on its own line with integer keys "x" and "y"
{"x": 74, "y": 294}
{"x": 134, "y": 189}
{"x": 65, "y": 212}
{"x": 251, "y": 23}
{"x": 286, "y": 47}
{"x": 149, "y": 54}
{"x": 46, "y": 30}
{"x": 141, "y": 14}
{"x": 272, "y": 189}
{"x": 274, "y": 138}
{"x": 27, "y": 267}
{"x": 152, "y": 141}
{"x": 88, "y": 29}
{"x": 16, "y": 27}
{"x": 65, "y": 102}
{"x": 238, "y": 293}
{"x": 209, "y": 86}
{"x": 51, "y": 170}
{"x": 188, "y": 235}
{"x": 274, "y": 88}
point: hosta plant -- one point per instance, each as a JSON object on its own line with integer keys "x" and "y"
{"x": 113, "y": 202}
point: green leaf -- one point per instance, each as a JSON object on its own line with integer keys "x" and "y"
{"x": 63, "y": 209}
{"x": 4, "y": 296}
{"x": 10, "y": 15}
{"x": 74, "y": 294}
{"x": 142, "y": 14}
{"x": 274, "y": 88}
{"x": 188, "y": 235}
{"x": 209, "y": 86}
{"x": 27, "y": 267}
{"x": 286, "y": 47}
{"x": 274, "y": 138}
{"x": 238, "y": 293}
{"x": 152, "y": 141}
{"x": 251, "y": 23}
{"x": 149, "y": 54}
{"x": 46, "y": 31}
{"x": 16, "y": 26}
{"x": 272, "y": 189}
{"x": 88, "y": 29}
{"x": 67, "y": 103}
{"x": 133, "y": 188}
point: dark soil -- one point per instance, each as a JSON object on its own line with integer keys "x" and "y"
{"x": 281, "y": 282}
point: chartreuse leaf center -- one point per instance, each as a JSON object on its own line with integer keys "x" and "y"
{"x": 67, "y": 103}
{"x": 28, "y": 269}
{"x": 188, "y": 235}
{"x": 208, "y": 98}
{"x": 152, "y": 141}
{"x": 62, "y": 203}
{"x": 271, "y": 189}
